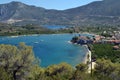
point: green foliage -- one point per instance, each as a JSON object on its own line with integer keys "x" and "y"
{"x": 9, "y": 30}
{"x": 107, "y": 70}
{"x": 61, "y": 71}
{"x": 17, "y": 61}
{"x": 78, "y": 75}
{"x": 81, "y": 72}
{"x": 4, "y": 75}
{"x": 105, "y": 51}
{"x": 82, "y": 67}
{"x": 37, "y": 73}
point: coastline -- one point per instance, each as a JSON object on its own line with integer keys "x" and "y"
{"x": 88, "y": 52}
{"x": 87, "y": 57}
{"x": 87, "y": 60}
{"x": 42, "y": 34}
{"x": 14, "y": 36}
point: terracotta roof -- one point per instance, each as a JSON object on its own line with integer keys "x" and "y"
{"x": 116, "y": 47}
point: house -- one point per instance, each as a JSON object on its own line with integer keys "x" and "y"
{"x": 116, "y": 47}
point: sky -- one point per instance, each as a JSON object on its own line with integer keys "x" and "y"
{"x": 53, "y": 4}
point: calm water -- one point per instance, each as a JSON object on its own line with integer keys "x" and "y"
{"x": 54, "y": 27}
{"x": 51, "y": 49}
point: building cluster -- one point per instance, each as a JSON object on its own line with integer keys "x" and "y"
{"x": 99, "y": 39}
{"x": 113, "y": 39}
{"x": 82, "y": 40}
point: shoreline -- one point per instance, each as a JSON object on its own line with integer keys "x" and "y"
{"x": 43, "y": 34}
{"x": 88, "y": 52}
{"x": 14, "y": 36}
{"x": 86, "y": 59}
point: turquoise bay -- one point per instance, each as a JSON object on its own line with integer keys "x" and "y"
{"x": 51, "y": 48}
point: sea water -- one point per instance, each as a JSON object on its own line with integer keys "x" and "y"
{"x": 51, "y": 48}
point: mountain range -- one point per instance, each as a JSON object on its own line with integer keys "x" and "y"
{"x": 106, "y": 12}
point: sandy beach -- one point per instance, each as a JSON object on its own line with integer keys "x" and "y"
{"x": 88, "y": 59}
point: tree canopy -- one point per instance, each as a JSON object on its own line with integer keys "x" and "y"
{"x": 17, "y": 61}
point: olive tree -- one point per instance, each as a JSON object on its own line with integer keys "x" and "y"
{"x": 17, "y": 61}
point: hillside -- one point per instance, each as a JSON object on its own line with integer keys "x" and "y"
{"x": 106, "y": 12}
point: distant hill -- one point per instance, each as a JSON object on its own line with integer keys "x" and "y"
{"x": 106, "y": 12}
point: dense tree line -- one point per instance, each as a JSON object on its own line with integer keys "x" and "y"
{"x": 8, "y": 30}
{"x": 105, "y": 51}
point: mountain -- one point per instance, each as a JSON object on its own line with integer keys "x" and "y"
{"x": 106, "y": 12}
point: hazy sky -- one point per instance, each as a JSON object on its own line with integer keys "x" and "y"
{"x": 53, "y": 4}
